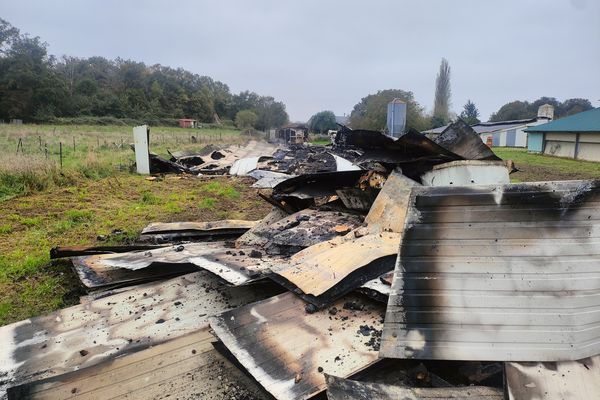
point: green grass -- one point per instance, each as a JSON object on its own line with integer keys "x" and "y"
{"x": 537, "y": 167}
{"x": 221, "y": 189}
{"x": 31, "y": 284}
{"x": 89, "y": 152}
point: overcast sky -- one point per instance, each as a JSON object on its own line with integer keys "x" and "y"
{"x": 328, "y": 54}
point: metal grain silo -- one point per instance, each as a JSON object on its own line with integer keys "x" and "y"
{"x": 396, "y": 117}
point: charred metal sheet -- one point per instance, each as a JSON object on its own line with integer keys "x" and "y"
{"x": 96, "y": 275}
{"x": 160, "y": 165}
{"x": 461, "y": 139}
{"x": 172, "y": 231}
{"x": 227, "y": 224}
{"x": 184, "y": 368}
{"x": 252, "y": 237}
{"x": 357, "y": 199}
{"x": 569, "y": 380}
{"x": 73, "y": 251}
{"x": 288, "y": 350}
{"x": 87, "y": 334}
{"x": 316, "y": 185}
{"x": 506, "y": 272}
{"x": 292, "y": 233}
{"x": 345, "y": 389}
{"x": 323, "y": 273}
{"x": 236, "y": 266}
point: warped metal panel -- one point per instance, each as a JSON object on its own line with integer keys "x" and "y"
{"x": 236, "y": 266}
{"x": 568, "y": 380}
{"x": 288, "y": 350}
{"x": 184, "y": 368}
{"x": 507, "y": 272}
{"x": 345, "y": 389}
{"x": 328, "y": 270}
{"x": 84, "y": 335}
{"x": 325, "y": 271}
{"x": 211, "y": 226}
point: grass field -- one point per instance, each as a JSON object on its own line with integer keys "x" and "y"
{"x": 536, "y": 167}
{"x": 42, "y": 206}
{"x": 30, "y": 154}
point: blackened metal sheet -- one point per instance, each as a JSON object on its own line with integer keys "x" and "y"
{"x": 237, "y": 225}
{"x": 184, "y": 368}
{"x": 461, "y": 139}
{"x": 345, "y": 389}
{"x": 323, "y": 272}
{"x": 520, "y": 292}
{"x": 236, "y": 266}
{"x": 288, "y": 350}
{"x": 316, "y": 185}
{"x": 161, "y": 232}
{"x": 74, "y": 251}
{"x": 87, "y": 334}
{"x": 96, "y": 275}
{"x": 568, "y": 380}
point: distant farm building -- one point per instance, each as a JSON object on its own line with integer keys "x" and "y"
{"x": 506, "y": 133}
{"x": 576, "y": 136}
{"x": 342, "y": 119}
{"x": 187, "y": 123}
{"x": 293, "y": 133}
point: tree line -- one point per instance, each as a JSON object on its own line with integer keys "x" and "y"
{"x": 38, "y": 87}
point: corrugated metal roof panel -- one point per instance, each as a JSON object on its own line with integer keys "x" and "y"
{"x": 288, "y": 350}
{"x": 508, "y": 272}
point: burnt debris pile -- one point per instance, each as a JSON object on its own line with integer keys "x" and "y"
{"x": 387, "y": 268}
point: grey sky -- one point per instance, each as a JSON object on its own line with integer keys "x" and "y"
{"x": 328, "y": 54}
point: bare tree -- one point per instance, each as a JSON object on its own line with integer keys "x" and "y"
{"x": 441, "y": 104}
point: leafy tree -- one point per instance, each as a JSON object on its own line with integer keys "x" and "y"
{"x": 573, "y": 106}
{"x": 441, "y": 103}
{"x": 246, "y": 119}
{"x": 470, "y": 113}
{"x": 371, "y": 111}
{"x": 512, "y": 111}
{"x": 322, "y": 121}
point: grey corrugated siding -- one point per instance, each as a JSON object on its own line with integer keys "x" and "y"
{"x": 509, "y": 272}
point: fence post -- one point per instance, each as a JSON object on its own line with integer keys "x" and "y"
{"x": 73, "y": 144}
{"x": 60, "y": 152}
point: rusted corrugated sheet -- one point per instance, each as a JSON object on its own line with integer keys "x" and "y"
{"x": 568, "y": 380}
{"x": 324, "y": 272}
{"x": 345, "y": 389}
{"x": 508, "y": 273}
{"x": 288, "y": 350}
{"x": 84, "y": 335}
{"x": 184, "y": 368}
